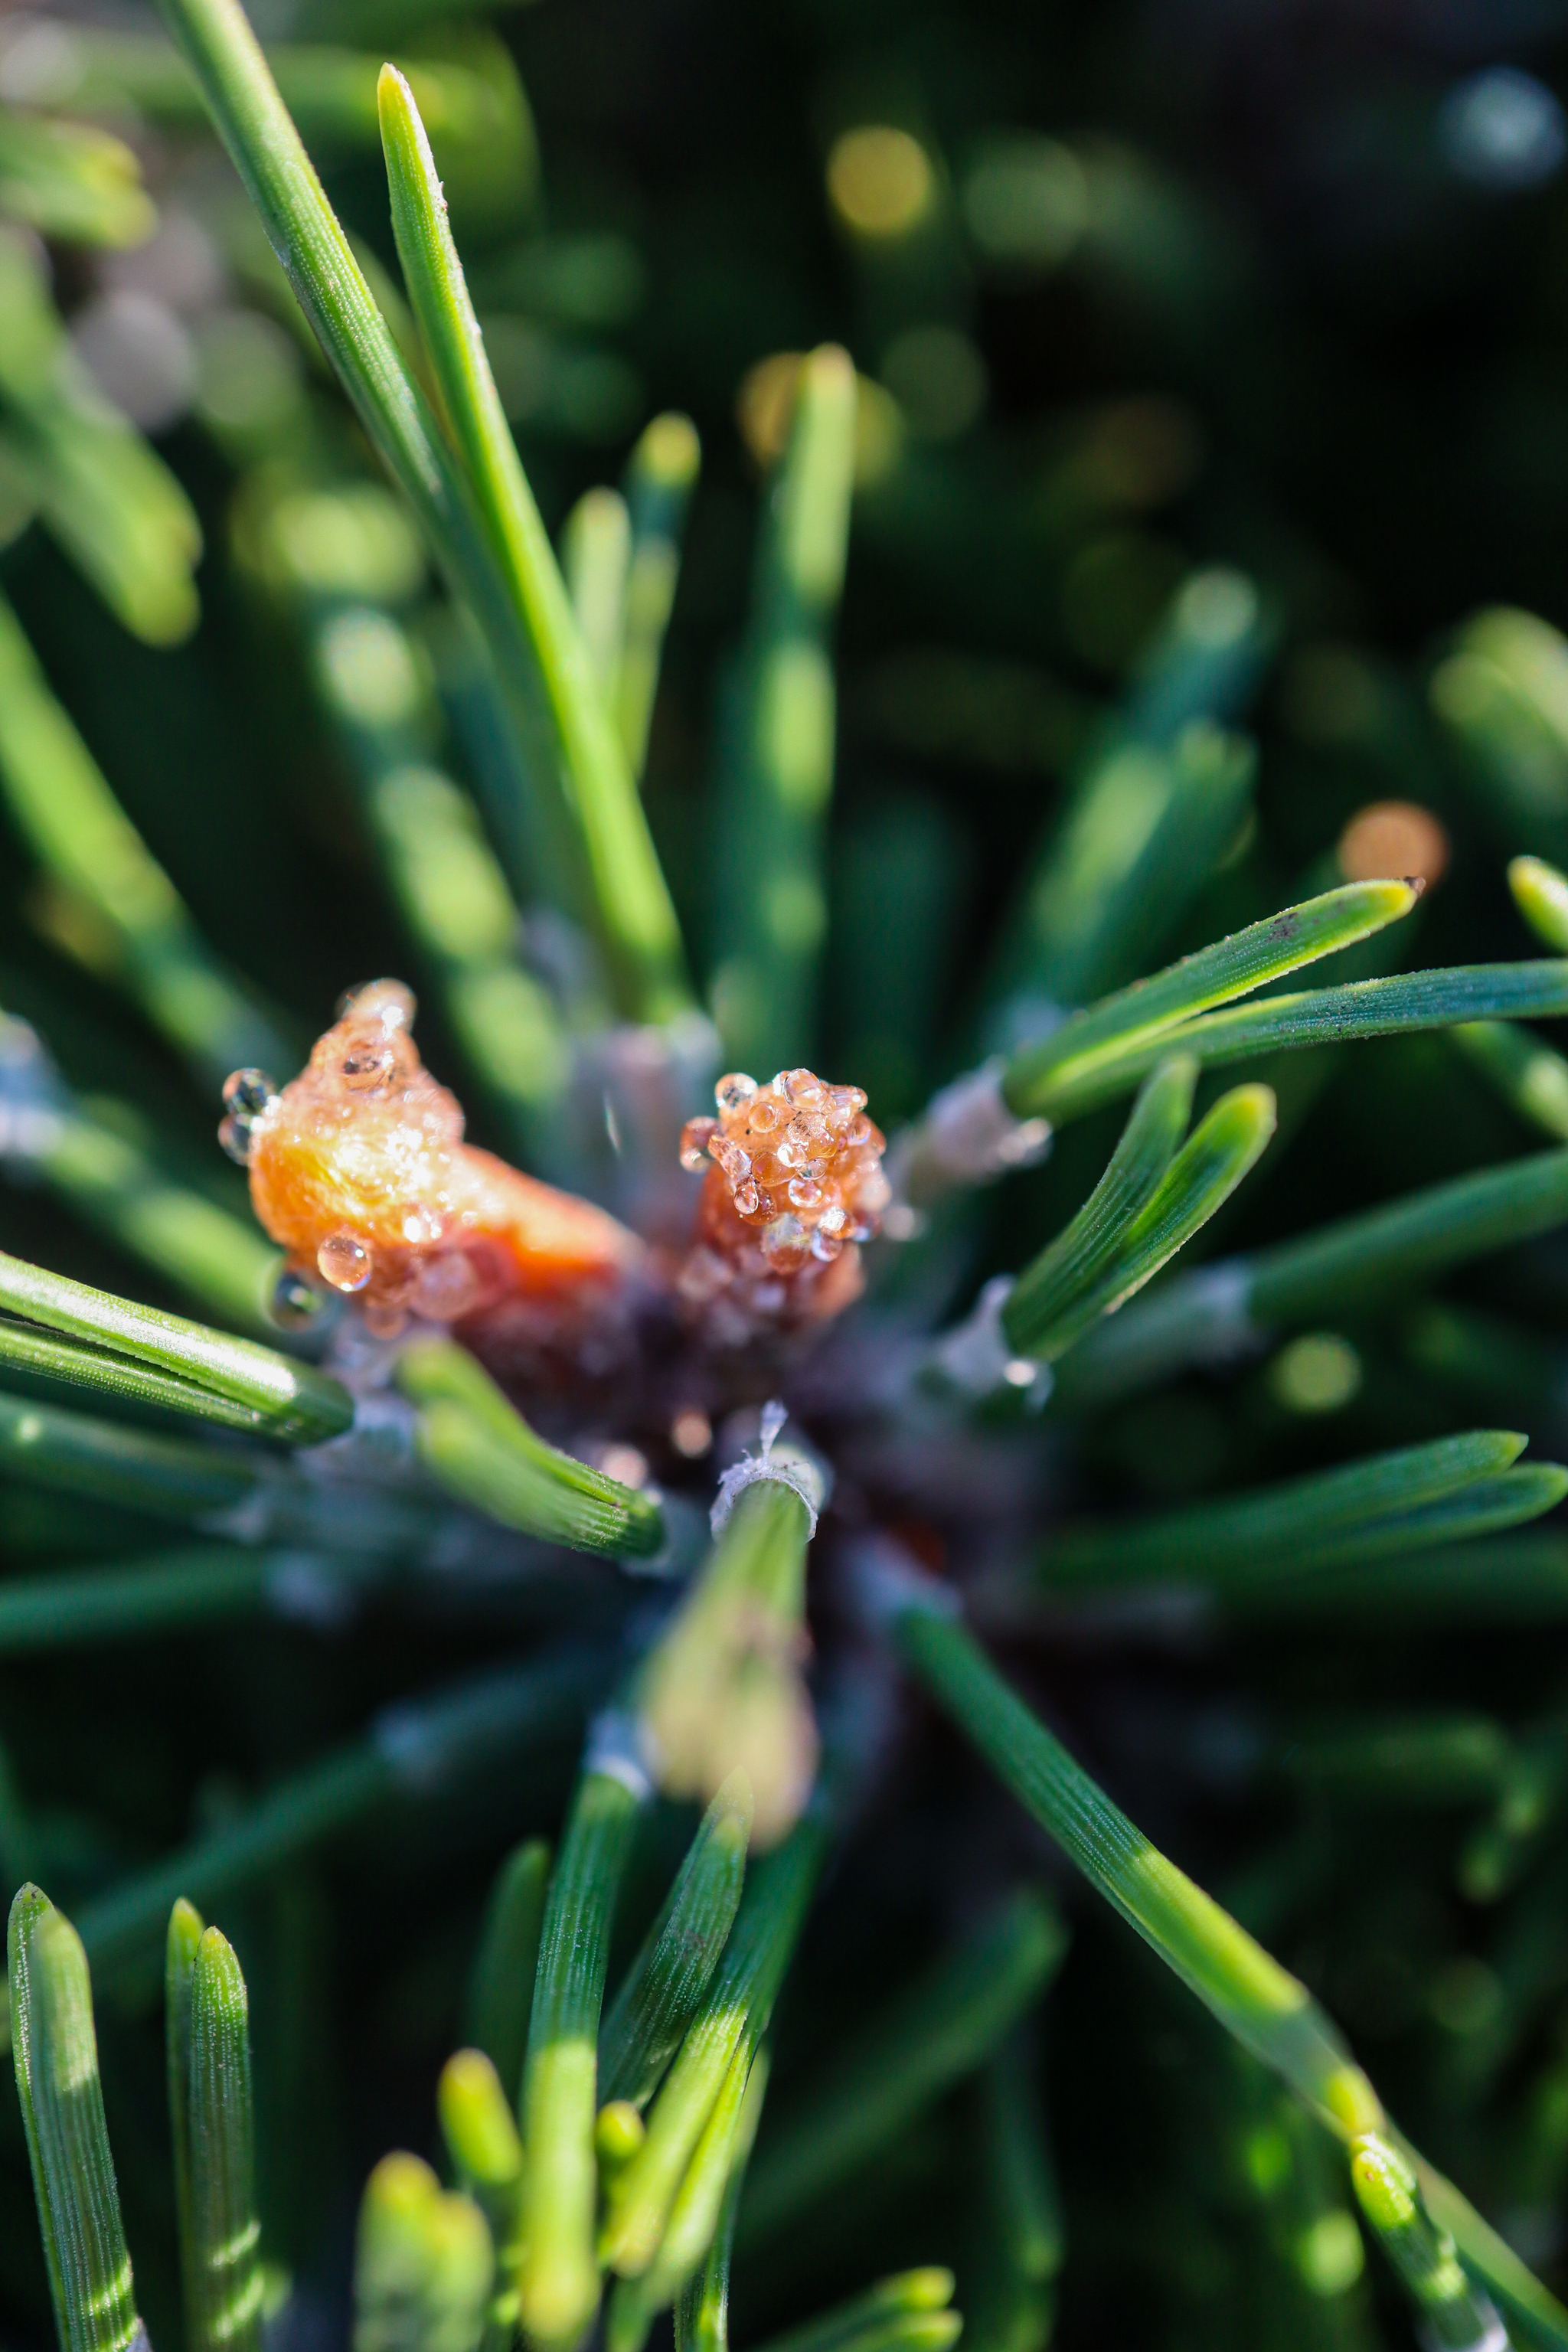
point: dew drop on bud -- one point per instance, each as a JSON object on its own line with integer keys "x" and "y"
{"x": 748, "y": 1200}
{"x": 245, "y": 1095}
{"x": 295, "y": 1304}
{"x": 233, "y": 1135}
{"x": 386, "y": 1000}
{"x": 247, "y": 1092}
{"x": 733, "y": 1089}
{"x": 344, "y": 1262}
{"x": 694, "y": 1138}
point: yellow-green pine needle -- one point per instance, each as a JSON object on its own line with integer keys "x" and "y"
{"x": 1225, "y": 1310}
{"x": 770, "y": 906}
{"x": 734, "y": 2015}
{"x": 187, "y": 1928}
{"x": 480, "y": 2128}
{"x": 479, "y": 1444}
{"x": 632, "y": 904}
{"x": 88, "y": 846}
{"x": 94, "y": 1155}
{"x": 1222, "y": 1149}
{"x": 54, "y": 2050}
{"x": 1452, "y": 2312}
{"x": 702, "y": 2307}
{"x": 1130, "y": 1022}
{"x": 1540, "y": 893}
{"x": 249, "y": 114}
{"x": 73, "y": 180}
{"x": 501, "y": 1990}
{"x": 1250, "y": 1536}
{"x": 595, "y": 555}
{"x": 1147, "y": 824}
{"x": 664, "y": 1984}
{"x": 448, "y": 883}
{"x": 74, "y": 1454}
{"x": 224, "y": 2283}
{"x": 558, "y": 2280}
{"x": 276, "y": 1393}
{"x": 478, "y": 2122}
{"x": 694, "y": 2217}
{"x": 1400, "y": 1006}
{"x": 1265, "y": 2007}
{"x": 424, "y": 2264}
{"x": 659, "y": 482}
{"x": 102, "y": 493}
{"x": 907, "y": 2313}
{"x": 1070, "y": 1263}
{"x": 1531, "y": 1078}
{"x": 723, "y": 1688}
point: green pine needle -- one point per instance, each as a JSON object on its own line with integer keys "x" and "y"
{"x": 636, "y": 918}
{"x": 54, "y": 2046}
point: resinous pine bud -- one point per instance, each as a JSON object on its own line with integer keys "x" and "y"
{"x": 358, "y": 1170}
{"x": 794, "y": 1184}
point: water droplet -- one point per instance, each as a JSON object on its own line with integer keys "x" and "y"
{"x": 245, "y": 1095}
{"x": 861, "y": 1132}
{"x": 235, "y": 1135}
{"x": 344, "y": 1262}
{"x": 825, "y": 1246}
{"x": 694, "y": 1138}
{"x": 295, "y": 1304}
{"x": 245, "y": 1092}
{"x": 748, "y": 1200}
{"x": 800, "y": 1085}
{"x": 736, "y": 1163}
{"x": 764, "y": 1116}
{"x": 803, "y": 1193}
{"x": 386, "y": 1000}
{"x": 733, "y": 1089}
{"x": 833, "y": 1220}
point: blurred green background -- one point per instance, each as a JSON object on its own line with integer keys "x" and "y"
{"x": 1243, "y": 322}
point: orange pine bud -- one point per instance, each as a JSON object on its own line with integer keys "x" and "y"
{"x": 793, "y": 1185}
{"x": 358, "y": 1170}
